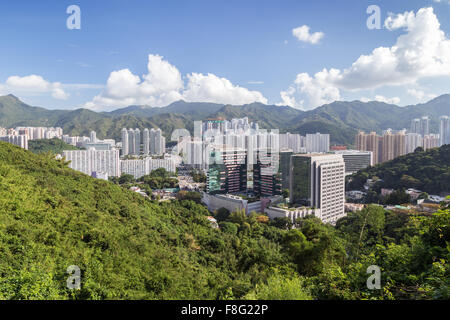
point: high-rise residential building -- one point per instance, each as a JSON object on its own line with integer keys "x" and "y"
{"x": 146, "y": 142}
{"x": 137, "y": 141}
{"x": 318, "y": 180}
{"x": 91, "y": 160}
{"x": 413, "y": 141}
{"x": 356, "y": 160}
{"x": 317, "y": 143}
{"x": 93, "y": 137}
{"x": 430, "y": 141}
{"x": 125, "y": 145}
{"x": 444, "y": 130}
{"x": 18, "y": 140}
{"x": 425, "y": 126}
{"x": 421, "y": 126}
{"x": 369, "y": 142}
{"x": 142, "y": 167}
{"x": 131, "y": 142}
{"x": 384, "y": 148}
{"x": 227, "y": 171}
{"x": 157, "y": 142}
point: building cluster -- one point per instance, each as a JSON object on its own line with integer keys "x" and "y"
{"x": 20, "y": 136}
{"x": 102, "y": 157}
{"x": 315, "y": 181}
{"x": 150, "y": 142}
{"x": 393, "y": 144}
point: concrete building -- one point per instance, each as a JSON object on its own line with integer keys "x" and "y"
{"x": 91, "y": 160}
{"x": 318, "y": 180}
{"x": 18, "y": 140}
{"x": 413, "y": 141}
{"x": 292, "y": 213}
{"x": 430, "y": 141}
{"x": 317, "y": 143}
{"x": 356, "y": 160}
{"x": 444, "y": 130}
{"x": 125, "y": 145}
{"x": 227, "y": 171}
{"x": 234, "y": 203}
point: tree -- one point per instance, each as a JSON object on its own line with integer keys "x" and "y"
{"x": 126, "y": 178}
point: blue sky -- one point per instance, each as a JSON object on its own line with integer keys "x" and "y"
{"x": 247, "y": 47}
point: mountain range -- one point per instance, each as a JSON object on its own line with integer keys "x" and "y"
{"x": 341, "y": 119}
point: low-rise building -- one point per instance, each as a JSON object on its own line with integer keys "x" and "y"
{"x": 292, "y": 213}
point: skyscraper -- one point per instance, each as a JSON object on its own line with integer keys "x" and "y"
{"x": 444, "y": 130}
{"x": 125, "y": 145}
{"x": 93, "y": 137}
{"x": 146, "y": 142}
{"x": 131, "y": 142}
{"x": 421, "y": 126}
{"x": 137, "y": 141}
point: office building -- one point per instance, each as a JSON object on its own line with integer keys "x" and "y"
{"x": 356, "y": 160}
{"x": 318, "y": 180}
{"x": 227, "y": 171}
{"x": 266, "y": 175}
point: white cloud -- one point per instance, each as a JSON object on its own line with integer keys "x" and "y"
{"x": 163, "y": 84}
{"x": 303, "y": 34}
{"x": 380, "y": 98}
{"x": 32, "y": 85}
{"x": 420, "y": 95}
{"x": 421, "y": 51}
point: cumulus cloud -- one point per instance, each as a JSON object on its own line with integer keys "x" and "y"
{"x": 33, "y": 84}
{"x": 420, "y": 95}
{"x": 303, "y": 34}
{"x": 380, "y": 98}
{"x": 163, "y": 84}
{"x": 421, "y": 51}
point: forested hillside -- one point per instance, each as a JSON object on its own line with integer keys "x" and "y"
{"x": 428, "y": 171}
{"x": 55, "y": 145}
{"x": 129, "y": 247}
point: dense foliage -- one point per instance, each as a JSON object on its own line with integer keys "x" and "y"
{"x": 56, "y": 146}
{"x": 130, "y": 247}
{"x": 428, "y": 171}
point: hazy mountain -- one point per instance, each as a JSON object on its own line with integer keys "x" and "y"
{"x": 341, "y": 119}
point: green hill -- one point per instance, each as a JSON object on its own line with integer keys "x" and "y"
{"x": 56, "y": 146}
{"x": 427, "y": 171}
